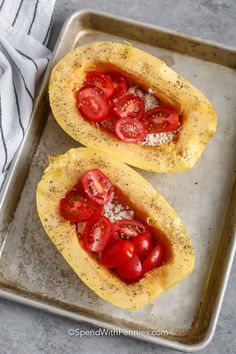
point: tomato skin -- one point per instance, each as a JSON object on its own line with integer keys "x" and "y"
{"x": 101, "y": 81}
{"x": 97, "y": 186}
{"x": 130, "y": 130}
{"x": 97, "y": 233}
{"x": 111, "y": 115}
{"x": 75, "y": 207}
{"x": 131, "y": 270}
{"x": 142, "y": 245}
{"x": 129, "y": 106}
{"x": 117, "y": 252}
{"x": 119, "y": 83}
{"x": 161, "y": 119}
{"x": 154, "y": 259}
{"x": 92, "y": 104}
{"x": 128, "y": 229}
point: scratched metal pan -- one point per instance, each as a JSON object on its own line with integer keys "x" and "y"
{"x": 34, "y": 273}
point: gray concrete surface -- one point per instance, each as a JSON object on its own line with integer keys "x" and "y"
{"x": 28, "y": 331}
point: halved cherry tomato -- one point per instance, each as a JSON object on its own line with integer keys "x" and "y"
{"x": 117, "y": 252}
{"x": 92, "y": 105}
{"x": 142, "y": 245}
{"x": 131, "y": 270}
{"x": 129, "y": 106}
{"x": 154, "y": 259}
{"x": 128, "y": 229}
{"x": 97, "y": 233}
{"x": 130, "y": 130}
{"x": 111, "y": 115}
{"x": 119, "y": 83}
{"x": 101, "y": 81}
{"x": 161, "y": 119}
{"x": 75, "y": 207}
{"x": 97, "y": 186}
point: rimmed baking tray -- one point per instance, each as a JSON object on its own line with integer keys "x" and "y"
{"x": 34, "y": 273}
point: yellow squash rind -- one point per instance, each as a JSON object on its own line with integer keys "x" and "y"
{"x": 200, "y": 118}
{"x": 62, "y": 173}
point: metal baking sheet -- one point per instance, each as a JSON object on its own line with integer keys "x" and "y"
{"x": 34, "y": 273}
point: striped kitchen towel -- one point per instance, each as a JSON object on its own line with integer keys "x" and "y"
{"x": 25, "y": 27}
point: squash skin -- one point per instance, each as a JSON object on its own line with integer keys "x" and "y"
{"x": 62, "y": 173}
{"x": 200, "y": 118}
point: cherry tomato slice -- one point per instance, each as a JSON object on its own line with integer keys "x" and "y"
{"x": 92, "y": 104}
{"x": 117, "y": 252}
{"x": 101, "y": 81}
{"x": 161, "y": 119}
{"x": 131, "y": 270}
{"x": 130, "y": 130}
{"x": 119, "y": 83}
{"x": 97, "y": 186}
{"x": 142, "y": 245}
{"x": 111, "y": 115}
{"x": 128, "y": 229}
{"x": 75, "y": 207}
{"x": 97, "y": 233}
{"x": 154, "y": 259}
{"x": 129, "y": 106}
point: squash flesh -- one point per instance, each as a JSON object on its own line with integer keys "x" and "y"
{"x": 200, "y": 118}
{"x": 60, "y": 176}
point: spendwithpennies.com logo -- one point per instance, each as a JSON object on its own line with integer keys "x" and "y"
{"x": 114, "y": 332}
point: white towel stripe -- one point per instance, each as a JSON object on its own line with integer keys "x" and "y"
{"x": 24, "y": 29}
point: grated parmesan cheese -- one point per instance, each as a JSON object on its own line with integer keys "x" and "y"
{"x": 135, "y": 90}
{"x": 151, "y": 101}
{"x": 116, "y": 211}
{"x": 113, "y": 211}
{"x": 149, "y": 98}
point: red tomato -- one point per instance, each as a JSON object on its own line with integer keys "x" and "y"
{"x": 101, "y": 81}
{"x": 97, "y": 186}
{"x": 161, "y": 119}
{"x": 142, "y": 245}
{"x": 154, "y": 259}
{"x": 111, "y": 115}
{"x": 130, "y": 106}
{"x": 131, "y": 270}
{"x": 117, "y": 252}
{"x": 130, "y": 130}
{"x": 92, "y": 105}
{"x": 75, "y": 207}
{"x": 119, "y": 83}
{"x": 126, "y": 229}
{"x": 97, "y": 233}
